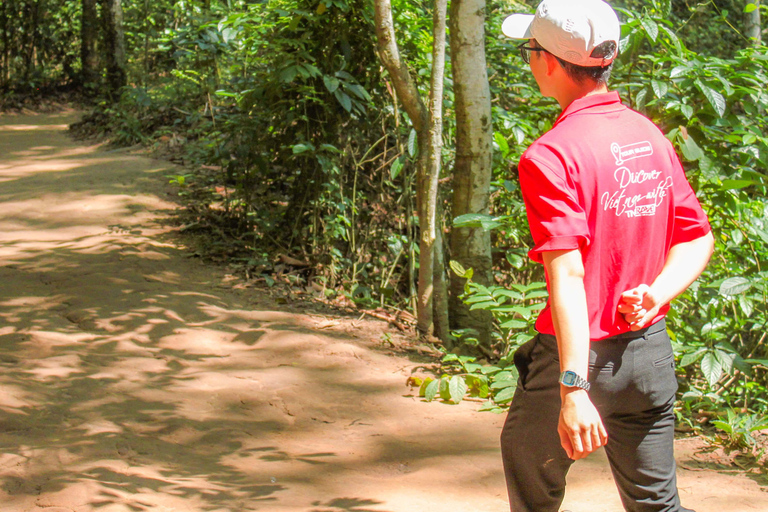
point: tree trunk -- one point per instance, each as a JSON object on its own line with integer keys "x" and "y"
{"x": 440, "y": 308}
{"x": 430, "y": 178}
{"x": 89, "y": 33}
{"x": 5, "y": 7}
{"x": 428, "y": 124}
{"x": 114, "y": 44}
{"x": 472, "y": 171}
{"x": 752, "y": 27}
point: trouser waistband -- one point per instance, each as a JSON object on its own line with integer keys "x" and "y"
{"x": 659, "y": 326}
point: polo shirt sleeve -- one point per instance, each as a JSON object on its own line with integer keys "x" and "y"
{"x": 556, "y": 219}
{"x": 690, "y": 220}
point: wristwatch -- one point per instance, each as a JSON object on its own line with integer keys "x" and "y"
{"x": 573, "y": 380}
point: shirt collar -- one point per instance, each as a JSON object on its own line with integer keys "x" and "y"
{"x": 604, "y": 102}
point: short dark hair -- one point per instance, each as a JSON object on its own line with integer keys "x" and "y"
{"x": 580, "y": 74}
{"x": 599, "y": 75}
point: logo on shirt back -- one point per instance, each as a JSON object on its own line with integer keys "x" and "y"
{"x": 631, "y": 151}
{"x": 639, "y": 192}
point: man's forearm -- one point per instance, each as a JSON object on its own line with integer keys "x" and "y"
{"x": 580, "y": 427}
{"x": 568, "y": 303}
{"x": 685, "y": 263}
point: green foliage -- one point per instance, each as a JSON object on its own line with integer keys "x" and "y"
{"x": 514, "y": 312}
{"x": 495, "y": 384}
{"x": 737, "y": 430}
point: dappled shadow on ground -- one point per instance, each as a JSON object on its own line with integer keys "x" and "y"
{"x": 130, "y": 379}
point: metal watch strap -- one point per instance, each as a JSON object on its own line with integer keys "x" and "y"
{"x": 573, "y": 380}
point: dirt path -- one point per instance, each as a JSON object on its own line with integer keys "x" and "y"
{"x": 134, "y": 379}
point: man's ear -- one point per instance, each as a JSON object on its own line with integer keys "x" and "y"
{"x": 551, "y": 62}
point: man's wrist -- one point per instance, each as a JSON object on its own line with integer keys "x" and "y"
{"x": 571, "y": 379}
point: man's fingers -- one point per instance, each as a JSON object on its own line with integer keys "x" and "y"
{"x": 602, "y": 433}
{"x": 586, "y": 437}
{"x": 578, "y": 448}
{"x": 565, "y": 442}
{"x": 597, "y": 440}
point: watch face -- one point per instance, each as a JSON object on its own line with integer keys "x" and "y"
{"x": 569, "y": 378}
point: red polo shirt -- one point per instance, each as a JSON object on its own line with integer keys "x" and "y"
{"x": 606, "y": 181}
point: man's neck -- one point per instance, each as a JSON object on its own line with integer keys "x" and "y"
{"x": 568, "y": 95}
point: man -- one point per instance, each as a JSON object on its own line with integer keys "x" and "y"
{"x": 620, "y": 233}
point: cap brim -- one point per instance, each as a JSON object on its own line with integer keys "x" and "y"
{"x": 517, "y": 26}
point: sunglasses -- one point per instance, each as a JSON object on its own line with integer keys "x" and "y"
{"x": 525, "y": 51}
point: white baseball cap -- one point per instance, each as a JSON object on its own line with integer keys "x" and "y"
{"x": 571, "y": 30}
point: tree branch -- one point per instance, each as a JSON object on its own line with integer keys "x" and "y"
{"x": 401, "y": 76}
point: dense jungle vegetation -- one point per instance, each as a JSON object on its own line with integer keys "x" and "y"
{"x": 301, "y": 163}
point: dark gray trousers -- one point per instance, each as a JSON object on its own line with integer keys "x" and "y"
{"x": 633, "y": 386}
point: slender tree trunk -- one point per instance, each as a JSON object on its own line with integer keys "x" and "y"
{"x": 472, "y": 170}
{"x": 752, "y": 22}
{"x": 428, "y": 124}
{"x": 30, "y": 13}
{"x": 442, "y": 317}
{"x": 114, "y": 44}
{"x": 431, "y": 279}
{"x": 89, "y": 32}
{"x": 4, "y": 51}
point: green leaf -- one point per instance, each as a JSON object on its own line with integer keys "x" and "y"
{"x": 711, "y": 368}
{"x": 737, "y": 184}
{"x": 673, "y": 37}
{"x": 746, "y": 305}
{"x": 394, "y": 171}
{"x": 505, "y": 395}
{"x": 359, "y": 91}
{"x": 476, "y": 220}
{"x": 722, "y": 425}
{"x": 691, "y": 150}
{"x": 424, "y": 384}
{"x": 651, "y": 28}
{"x": 345, "y": 100}
{"x": 726, "y": 360}
{"x": 734, "y": 286}
{"x": 504, "y": 375}
{"x": 445, "y": 388}
{"x": 430, "y": 392}
{"x": 311, "y": 70}
{"x": 659, "y": 88}
{"x": 331, "y": 83}
{"x": 640, "y": 98}
{"x": 750, "y": 8}
{"x": 502, "y": 143}
{"x": 412, "y": 146}
{"x": 301, "y": 148}
{"x": 457, "y": 268}
{"x": 715, "y": 98}
{"x": 488, "y": 304}
{"x": 512, "y": 294}
{"x": 503, "y": 384}
{"x": 687, "y": 111}
{"x": 288, "y": 74}
{"x": 692, "y": 357}
{"x": 679, "y": 71}
{"x": 520, "y": 310}
{"x": 514, "y": 324}
{"x": 457, "y": 388}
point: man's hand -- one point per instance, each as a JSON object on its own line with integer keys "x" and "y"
{"x": 580, "y": 427}
{"x": 639, "y": 306}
